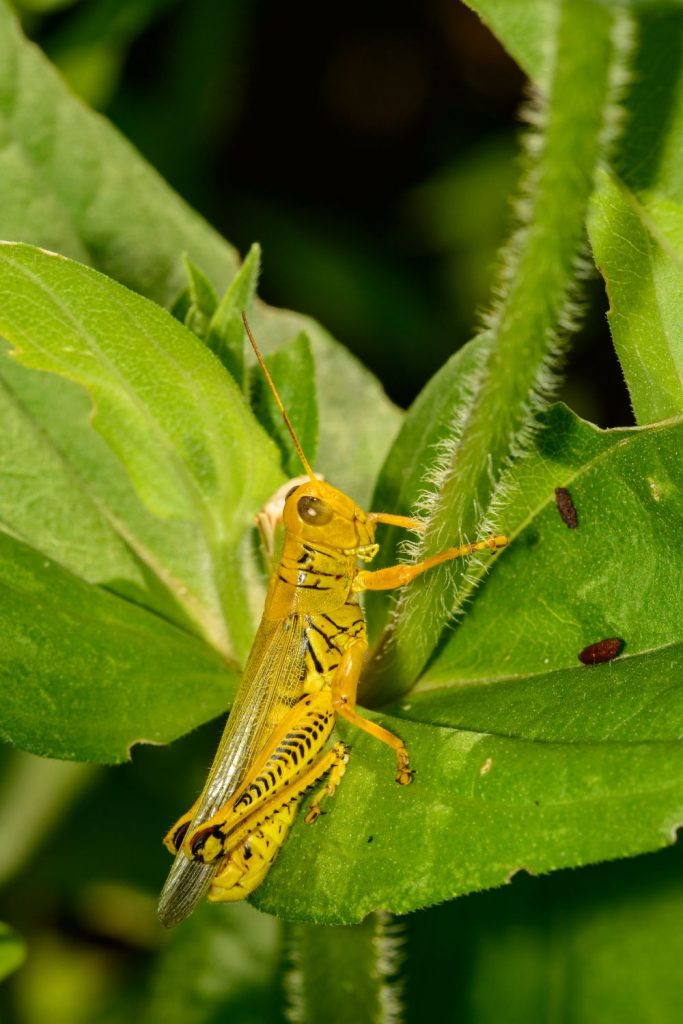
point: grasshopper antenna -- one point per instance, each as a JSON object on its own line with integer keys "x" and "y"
{"x": 278, "y": 400}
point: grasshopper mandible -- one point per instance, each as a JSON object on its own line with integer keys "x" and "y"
{"x": 301, "y": 674}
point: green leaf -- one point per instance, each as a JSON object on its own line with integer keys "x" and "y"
{"x": 424, "y": 431}
{"x": 12, "y": 950}
{"x": 357, "y": 421}
{"x": 636, "y": 215}
{"x": 71, "y": 183}
{"x": 575, "y": 704}
{"x": 515, "y": 357}
{"x": 197, "y": 302}
{"x": 84, "y": 674}
{"x": 603, "y": 944}
{"x": 178, "y": 480}
{"x": 42, "y": 498}
{"x": 636, "y": 224}
{"x": 519, "y": 748}
{"x": 523, "y": 26}
{"x": 225, "y": 334}
{"x": 293, "y": 371}
{"x": 482, "y": 808}
{"x": 353, "y": 969}
{"x": 554, "y": 591}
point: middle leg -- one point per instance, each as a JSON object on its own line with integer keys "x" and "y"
{"x": 344, "y": 689}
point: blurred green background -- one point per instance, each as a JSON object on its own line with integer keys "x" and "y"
{"x": 375, "y": 166}
{"x": 372, "y": 156}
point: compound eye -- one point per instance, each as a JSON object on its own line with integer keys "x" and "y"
{"x": 314, "y": 511}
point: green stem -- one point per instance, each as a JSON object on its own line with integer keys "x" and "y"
{"x": 345, "y": 973}
{"x": 520, "y": 347}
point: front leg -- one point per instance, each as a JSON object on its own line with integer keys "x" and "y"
{"x": 405, "y": 572}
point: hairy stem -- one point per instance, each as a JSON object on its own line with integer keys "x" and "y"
{"x": 344, "y": 973}
{"x": 519, "y": 350}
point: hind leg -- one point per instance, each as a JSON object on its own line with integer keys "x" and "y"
{"x": 248, "y": 863}
{"x": 246, "y": 856}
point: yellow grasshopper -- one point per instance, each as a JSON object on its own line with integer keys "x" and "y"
{"x": 301, "y": 674}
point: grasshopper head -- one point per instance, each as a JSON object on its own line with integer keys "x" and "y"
{"x": 320, "y": 514}
{"x": 315, "y": 511}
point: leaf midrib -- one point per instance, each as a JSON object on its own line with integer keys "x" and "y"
{"x": 438, "y": 685}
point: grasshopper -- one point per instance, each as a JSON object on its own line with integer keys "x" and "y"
{"x": 301, "y": 675}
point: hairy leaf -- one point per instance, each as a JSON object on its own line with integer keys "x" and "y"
{"x": 424, "y": 432}
{"x": 636, "y": 216}
{"x": 352, "y": 968}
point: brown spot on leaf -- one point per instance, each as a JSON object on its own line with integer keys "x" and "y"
{"x": 565, "y": 506}
{"x": 603, "y": 650}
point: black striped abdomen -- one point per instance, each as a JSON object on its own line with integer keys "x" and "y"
{"x": 296, "y": 750}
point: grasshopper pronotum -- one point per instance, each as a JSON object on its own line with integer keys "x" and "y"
{"x": 302, "y": 673}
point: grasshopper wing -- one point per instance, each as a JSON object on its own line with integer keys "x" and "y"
{"x": 271, "y": 684}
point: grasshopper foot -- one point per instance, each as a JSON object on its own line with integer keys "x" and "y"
{"x": 314, "y": 812}
{"x": 404, "y": 773}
